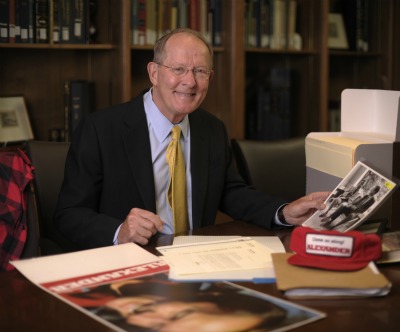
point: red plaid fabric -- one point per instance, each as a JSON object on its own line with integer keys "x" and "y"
{"x": 16, "y": 171}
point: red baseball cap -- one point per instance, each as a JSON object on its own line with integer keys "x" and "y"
{"x": 333, "y": 250}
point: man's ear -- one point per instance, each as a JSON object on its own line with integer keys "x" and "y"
{"x": 211, "y": 75}
{"x": 152, "y": 69}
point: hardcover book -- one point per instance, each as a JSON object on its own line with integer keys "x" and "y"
{"x": 4, "y": 20}
{"x": 64, "y": 21}
{"x": 81, "y": 102}
{"x": 313, "y": 283}
{"x": 42, "y": 21}
{"x": 26, "y": 13}
{"x": 80, "y": 21}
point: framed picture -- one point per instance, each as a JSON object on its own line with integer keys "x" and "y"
{"x": 337, "y": 33}
{"x": 14, "y": 120}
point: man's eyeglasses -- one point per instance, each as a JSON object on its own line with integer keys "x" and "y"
{"x": 198, "y": 73}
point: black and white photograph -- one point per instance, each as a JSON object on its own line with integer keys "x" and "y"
{"x": 356, "y": 197}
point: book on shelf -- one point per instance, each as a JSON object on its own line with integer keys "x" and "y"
{"x": 253, "y": 20}
{"x": 80, "y": 21}
{"x": 210, "y": 21}
{"x": 24, "y": 21}
{"x": 67, "y": 107}
{"x": 356, "y": 15}
{"x": 292, "y": 42}
{"x": 42, "y": 21}
{"x": 72, "y": 21}
{"x": 165, "y": 18}
{"x": 279, "y": 33}
{"x": 133, "y": 22}
{"x": 12, "y": 22}
{"x": 311, "y": 283}
{"x": 25, "y": 11}
{"x": 117, "y": 285}
{"x": 390, "y": 247}
{"x": 17, "y": 22}
{"x": 274, "y": 105}
{"x": 271, "y": 24}
{"x": 151, "y": 19}
{"x": 64, "y": 19}
{"x": 141, "y": 40}
{"x": 78, "y": 102}
{"x": 56, "y": 15}
{"x": 151, "y": 22}
{"x": 4, "y": 20}
{"x": 45, "y": 21}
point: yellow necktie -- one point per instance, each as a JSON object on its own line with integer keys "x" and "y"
{"x": 177, "y": 185}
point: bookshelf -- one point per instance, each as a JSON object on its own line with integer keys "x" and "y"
{"x": 118, "y": 68}
{"x": 307, "y": 68}
{"x": 371, "y": 69}
{"x": 37, "y": 71}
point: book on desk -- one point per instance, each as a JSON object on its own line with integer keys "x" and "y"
{"x": 311, "y": 283}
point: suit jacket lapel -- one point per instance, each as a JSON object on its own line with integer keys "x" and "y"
{"x": 200, "y": 142}
{"x": 137, "y": 148}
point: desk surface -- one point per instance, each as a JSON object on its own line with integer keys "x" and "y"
{"x": 25, "y": 307}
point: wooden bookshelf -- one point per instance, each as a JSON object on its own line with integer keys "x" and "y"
{"x": 371, "y": 69}
{"x": 38, "y": 71}
{"x": 118, "y": 69}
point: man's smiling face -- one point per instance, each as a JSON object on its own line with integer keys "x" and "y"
{"x": 178, "y": 95}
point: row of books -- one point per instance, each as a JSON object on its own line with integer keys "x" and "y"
{"x": 79, "y": 100}
{"x": 151, "y": 19}
{"x": 356, "y": 15}
{"x": 272, "y": 24}
{"x": 269, "y": 106}
{"x": 47, "y": 21}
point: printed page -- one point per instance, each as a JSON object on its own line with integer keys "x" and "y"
{"x": 226, "y": 255}
{"x": 272, "y": 242}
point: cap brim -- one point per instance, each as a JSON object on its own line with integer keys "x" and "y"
{"x": 326, "y": 264}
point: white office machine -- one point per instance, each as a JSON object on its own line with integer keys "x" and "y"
{"x": 370, "y": 132}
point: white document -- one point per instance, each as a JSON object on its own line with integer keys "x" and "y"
{"x": 271, "y": 242}
{"x": 45, "y": 269}
{"x": 232, "y": 258}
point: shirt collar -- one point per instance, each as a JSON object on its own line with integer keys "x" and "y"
{"x": 162, "y": 126}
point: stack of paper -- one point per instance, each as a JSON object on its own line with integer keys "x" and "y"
{"x": 230, "y": 258}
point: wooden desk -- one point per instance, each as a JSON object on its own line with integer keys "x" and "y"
{"x": 25, "y": 307}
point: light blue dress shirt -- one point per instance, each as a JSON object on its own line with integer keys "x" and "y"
{"x": 159, "y": 130}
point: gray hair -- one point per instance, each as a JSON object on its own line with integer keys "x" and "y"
{"x": 159, "y": 46}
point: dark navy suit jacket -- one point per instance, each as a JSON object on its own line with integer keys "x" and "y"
{"x": 109, "y": 171}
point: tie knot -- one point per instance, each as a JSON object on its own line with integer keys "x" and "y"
{"x": 176, "y": 133}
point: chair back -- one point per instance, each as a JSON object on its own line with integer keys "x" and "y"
{"x": 48, "y": 158}
{"x": 276, "y": 168}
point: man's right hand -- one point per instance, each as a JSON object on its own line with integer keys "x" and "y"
{"x": 139, "y": 226}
